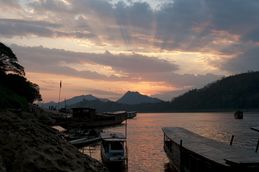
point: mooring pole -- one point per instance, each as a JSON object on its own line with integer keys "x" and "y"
{"x": 60, "y": 85}
{"x": 126, "y": 135}
{"x": 181, "y": 155}
{"x": 231, "y": 141}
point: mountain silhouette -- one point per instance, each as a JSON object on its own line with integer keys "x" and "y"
{"x": 73, "y": 100}
{"x": 133, "y": 98}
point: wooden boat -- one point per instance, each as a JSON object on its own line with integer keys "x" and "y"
{"x": 238, "y": 114}
{"x": 80, "y": 138}
{"x": 131, "y": 114}
{"x": 84, "y": 141}
{"x": 113, "y": 149}
{"x": 89, "y": 118}
{"x": 190, "y": 152}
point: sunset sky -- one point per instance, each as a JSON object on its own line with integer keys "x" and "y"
{"x": 107, "y": 47}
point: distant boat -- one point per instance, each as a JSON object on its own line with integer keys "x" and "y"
{"x": 238, "y": 114}
{"x": 113, "y": 149}
{"x": 190, "y": 152}
{"x": 131, "y": 114}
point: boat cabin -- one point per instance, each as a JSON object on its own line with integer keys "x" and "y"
{"x": 84, "y": 113}
{"x": 113, "y": 149}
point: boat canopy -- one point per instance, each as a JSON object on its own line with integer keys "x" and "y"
{"x": 111, "y": 136}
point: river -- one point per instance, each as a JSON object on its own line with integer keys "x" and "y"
{"x": 145, "y": 137}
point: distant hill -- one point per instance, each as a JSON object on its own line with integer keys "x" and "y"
{"x": 133, "y": 98}
{"x": 231, "y": 93}
{"x": 73, "y": 100}
{"x": 110, "y": 106}
{"x": 234, "y": 92}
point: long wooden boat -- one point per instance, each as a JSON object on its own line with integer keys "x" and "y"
{"x": 190, "y": 152}
{"x": 238, "y": 114}
{"x": 84, "y": 141}
{"x": 131, "y": 114}
{"x": 89, "y": 118}
{"x": 113, "y": 150}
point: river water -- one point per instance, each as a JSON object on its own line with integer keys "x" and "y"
{"x": 145, "y": 137}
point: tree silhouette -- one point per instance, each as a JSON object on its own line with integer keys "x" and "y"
{"x": 9, "y": 62}
{"x": 15, "y": 90}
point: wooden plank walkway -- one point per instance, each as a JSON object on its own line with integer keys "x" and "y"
{"x": 216, "y": 151}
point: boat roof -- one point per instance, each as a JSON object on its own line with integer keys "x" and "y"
{"x": 211, "y": 149}
{"x": 116, "y": 112}
{"x": 113, "y": 136}
{"x": 59, "y": 128}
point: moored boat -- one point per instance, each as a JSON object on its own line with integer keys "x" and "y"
{"x": 88, "y": 118}
{"x": 238, "y": 114}
{"x": 113, "y": 149}
{"x": 190, "y": 152}
{"x": 131, "y": 114}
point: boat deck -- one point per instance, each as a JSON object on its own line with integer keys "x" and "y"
{"x": 213, "y": 150}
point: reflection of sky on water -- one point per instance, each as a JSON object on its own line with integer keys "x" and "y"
{"x": 145, "y": 137}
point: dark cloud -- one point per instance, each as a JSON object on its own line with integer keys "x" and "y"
{"x": 180, "y": 25}
{"x": 10, "y": 4}
{"x": 185, "y": 25}
{"x": 134, "y": 67}
{"x": 14, "y": 27}
{"x": 244, "y": 62}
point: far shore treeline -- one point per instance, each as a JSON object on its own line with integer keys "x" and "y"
{"x": 15, "y": 90}
{"x": 237, "y": 92}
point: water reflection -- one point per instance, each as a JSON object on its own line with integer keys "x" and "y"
{"x": 145, "y": 137}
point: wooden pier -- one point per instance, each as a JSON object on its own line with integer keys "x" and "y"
{"x": 190, "y": 152}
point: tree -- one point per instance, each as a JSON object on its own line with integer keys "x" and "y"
{"x": 15, "y": 89}
{"x": 9, "y": 62}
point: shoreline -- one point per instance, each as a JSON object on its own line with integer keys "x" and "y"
{"x": 29, "y": 144}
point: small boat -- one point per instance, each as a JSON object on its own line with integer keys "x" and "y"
{"x": 131, "y": 114}
{"x": 238, "y": 114}
{"x": 113, "y": 149}
{"x": 81, "y": 137}
{"x": 190, "y": 152}
{"x": 84, "y": 141}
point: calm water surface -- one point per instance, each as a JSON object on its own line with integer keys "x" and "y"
{"x": 145, "y": 137}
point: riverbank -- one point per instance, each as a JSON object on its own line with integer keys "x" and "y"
{"x": 29, "y": 144}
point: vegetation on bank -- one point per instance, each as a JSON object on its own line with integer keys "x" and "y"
{"x": 239, "y": 91}
{"x": 15, "y": 90}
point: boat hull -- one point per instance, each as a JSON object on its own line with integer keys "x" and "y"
{"x": 189, "y": 152}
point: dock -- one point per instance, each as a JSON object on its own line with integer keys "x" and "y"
{"x": 188, "y": 151}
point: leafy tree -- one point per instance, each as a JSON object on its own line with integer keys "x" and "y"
{"x": 15, "y": 89}
{"x": 8, "y": 61}
{"x": 23, "y": 87}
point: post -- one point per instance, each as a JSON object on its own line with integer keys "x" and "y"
{"x": 181, "y": 155}
{"x": 126, "y": 135}
{"x": 60, "y": 85}
{"x": 257, "y": 145}
{"x": 231, "y": 141}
